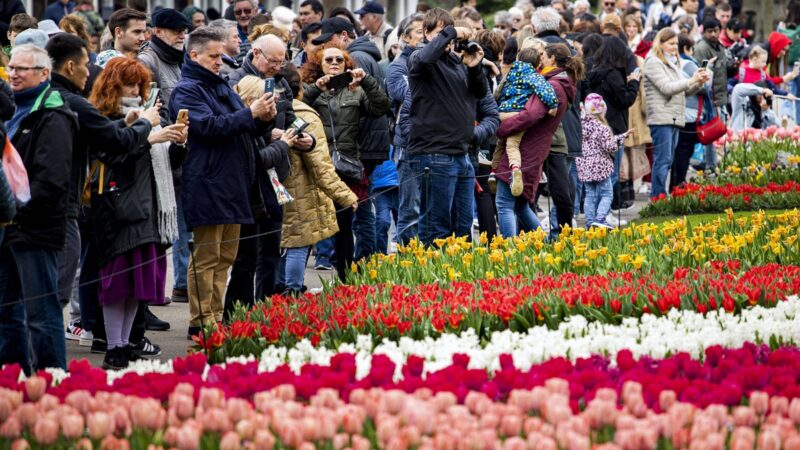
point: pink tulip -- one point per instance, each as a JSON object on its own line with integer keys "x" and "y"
{"x": 577, "y": 442}
{"x": 744, "y": 416}
{"x": 327, "y": 425}
{"x": 545, "y": 444}
{"x": 121, "y": 421}
{"x": 72, "y": 426}
{"x": 45, "y": 431}
{"x": 792, "y": 443}
{"x": 211, "y": 398}
{"x": 100, "y": 425}
{"x": 759, "y": 401}
{"x": 779, "y": 405}
{"x": 606, "y": 394}
{"x": 539, "y": 395}
{"x": 648, "y": 437}
{"x": 715, "y": 441}
{"x": 264, "y": 440}
{"x": 113, "y": 443}
{"x": 360, "y": 443}
{"x": 357, "y": 396}
{"x": 80, "y": 400}
{"x": 183, "y": 405}
{"x": 35, "y": 387}
{"x": 352, "y": 421}
{"x": 489, "y": 420}
{"x": 27, "y": 414}
{"x": 325, "y": 397}
{"x": 20, "y": 444}
{"x": 769, "y": 440}
{"x": 306, "y": 446}
{"x": 230, "y": 441}
{"x": 743, "y": 436}
{"x": 239, "y": 409}
{"x": 444, "y": 441}
{"x": 309, "y": 428}
{"x": 703, "y": 426}
{"x": 443, "y": 400}
{"x": 666, "y": 399}
{"x": 396, "y": 443}
{"x": 292, "y": 434}
{"x": 284, "y": 392}
{"x": 5, "y": 409}
{"x": 184, "y": 389}
{"x": 514, "y": 443}
{"x": 145, "y": 413}
{"x": 84, "y": 444}
{"x": 557, "y": 386}
{"x": 532, "y": 424}
{"x": 510, "y": 425}
{"x": 340, "y": 441}
{"x": 188, "y": 438}
{"x": 394, "y": 400}
{"x": 48, "y": 402}
{"x": 11, "y": 428}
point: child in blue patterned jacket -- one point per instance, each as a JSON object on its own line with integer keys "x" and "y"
{"x": 521, "y": 83}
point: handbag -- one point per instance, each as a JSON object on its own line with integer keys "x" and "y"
{"x": 347, "y": 167}
{"x": 713, "y": 129}
{"x": 16, "y": 173}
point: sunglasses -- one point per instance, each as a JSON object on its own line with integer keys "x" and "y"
{"x": 331, "y": 59}
{"x": 239, "y": 12}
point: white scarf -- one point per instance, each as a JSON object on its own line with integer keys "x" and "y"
{"x": 167, "y": 208}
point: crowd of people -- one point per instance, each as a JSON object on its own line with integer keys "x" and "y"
{"x": 243, "y": 143}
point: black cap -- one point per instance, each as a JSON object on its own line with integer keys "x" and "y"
{"x": 170, "y": 19}
{"x": 370, "y": 7}
{"x": 333, "y": 26}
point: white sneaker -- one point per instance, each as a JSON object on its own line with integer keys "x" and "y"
{"x": 574, "y": 223}
{"x": 611, "y": 219}
{"x": 545, "y": 224}
{"x": 644, "y": 188}
{"x": 73, "y": 332}
{"x": 601, "y": 225}
{"x": 482, "y": 160}
{"x": 86, "y": 339}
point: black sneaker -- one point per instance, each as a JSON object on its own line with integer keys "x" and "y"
{"x": 153, "y": 323}
{"x": 99, "y": 346}
{"x": 193, "y": 331}
{"x": 116, "y": 359}
{"x": 145, "y": 349}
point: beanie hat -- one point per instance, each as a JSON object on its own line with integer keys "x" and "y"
{"x": 594, "y": 104}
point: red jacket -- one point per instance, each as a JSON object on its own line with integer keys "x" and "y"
{"x": 539, "y": 128}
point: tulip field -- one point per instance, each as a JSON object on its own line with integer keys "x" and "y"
{"x": 676, "y": 335}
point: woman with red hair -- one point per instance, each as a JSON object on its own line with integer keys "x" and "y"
{"x": 133, "y": 206}
{"x": 341, "y": 109}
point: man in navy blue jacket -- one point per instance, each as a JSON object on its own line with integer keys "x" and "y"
{"x": 219, "y": 170}
{"x": 444, "y": 90}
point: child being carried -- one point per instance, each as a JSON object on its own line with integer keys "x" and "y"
{"x": 521, "y": 83}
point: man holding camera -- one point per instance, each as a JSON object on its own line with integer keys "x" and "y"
{"x": 444, "y": 90}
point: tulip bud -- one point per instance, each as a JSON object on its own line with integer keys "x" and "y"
{"x": 264, "y": 440}
{"x": 45, "y": 431}
{"x": 666, "y": 399}
{"x": 188, "y": 438}
{"x": 11, "y": 428}
{"x": 84, "y": 444}
{"x": 759, "y": 401}
{"x": 20, "y": 444}
{"x": 72, "y": 426}
{"x": 230, "y": 441}
{"x": 35, "y": 387}
{"x": 100, "y": 425}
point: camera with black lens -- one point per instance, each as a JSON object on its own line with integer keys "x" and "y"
{"x": 468, "y": 47}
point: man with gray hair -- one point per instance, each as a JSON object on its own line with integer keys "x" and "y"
{"x": 218, "y": 173}
{"x": 42, "y": 130}
{"x": 232, "y": 45}
{"x": 503, "y": 23}
{"x": 244, "y": 11}
{"x": 546, "y": 22}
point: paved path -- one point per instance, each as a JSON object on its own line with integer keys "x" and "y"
{"x": 174, "y": 342}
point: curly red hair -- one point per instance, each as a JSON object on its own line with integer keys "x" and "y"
{"x": 312, "y": 69}
{"x": 107, "y": 91}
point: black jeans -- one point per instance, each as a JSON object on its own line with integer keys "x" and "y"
{"x": 561, "y": 188}
{"x": 343, "y": 240}
{"x": 256, "y": 266}
{"x": 687, "y": 139}
{"x": 484, "y": 202}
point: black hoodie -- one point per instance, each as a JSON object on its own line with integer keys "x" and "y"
{"x": 373, "y": 139}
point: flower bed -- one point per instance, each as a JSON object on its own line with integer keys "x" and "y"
{"x": 694, "y": 198}
{"x": 636, "y": 404}
{"x": 488, "y": 306}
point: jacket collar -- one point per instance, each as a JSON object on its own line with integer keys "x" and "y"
{"x": 195, "y": 71}
{"x": 169, "y": 55}
{"x": 60, "y": 81}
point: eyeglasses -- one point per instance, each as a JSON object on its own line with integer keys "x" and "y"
{"x": 239, "y": 12}
{"x": 276, "y": 62}
{"x": 610, "y": 3}
{"x": 22, "y": 68}
{"x": 331, "y": 59}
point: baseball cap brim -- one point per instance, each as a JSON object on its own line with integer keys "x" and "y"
{"x": 322, "y": 38}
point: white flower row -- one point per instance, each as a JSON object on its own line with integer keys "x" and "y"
{"x": 678, "y": 331}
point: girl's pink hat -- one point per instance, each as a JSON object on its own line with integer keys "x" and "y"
{"x": 594, "y": 104}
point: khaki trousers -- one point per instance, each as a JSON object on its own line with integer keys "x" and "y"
{"x": 215, "y": 248}
{"x": 511, "y": 147}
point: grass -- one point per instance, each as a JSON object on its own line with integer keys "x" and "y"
{"x": 702, "y": 218}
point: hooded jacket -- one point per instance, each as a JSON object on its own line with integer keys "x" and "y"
{"x": 539, "y": 128}
{"x": 45, "y": 141}
{"x": 397, "y": 88}
{"x": 219, "y": 169}
{"x": 776, "y": 43}
{"x": 666, "y": 87}
{"x": 618, "y": 93}
{"x": 97, "y": 134}
{"x": 373, "y": 136}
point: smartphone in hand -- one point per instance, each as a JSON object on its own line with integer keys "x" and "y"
{"x": 340, "y": 81}
{"x": 183, "y": 117}
{"x": 269, "y": 86}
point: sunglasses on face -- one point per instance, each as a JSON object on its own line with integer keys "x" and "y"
{"x": 239, "y": 12}
{"x": 331, "y": 59}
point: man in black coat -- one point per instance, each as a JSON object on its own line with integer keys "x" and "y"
{"x": 42, "y": 130}
{"x": 8, "y": 8}
{"x": 98, "y": 135}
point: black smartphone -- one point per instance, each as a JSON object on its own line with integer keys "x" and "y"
{"x": 299, "y": 125}
{"x": 704, "y": 64}
{"x": 340, "y": 81}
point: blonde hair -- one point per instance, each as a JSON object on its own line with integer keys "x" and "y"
{"x": 663, "y": 35}
{"x": 268, "y": 28}
{"x": 249, "y": 89}
{"x": 756, "y": 52}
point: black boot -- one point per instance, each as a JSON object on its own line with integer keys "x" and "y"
{"x": 153, "y": 323}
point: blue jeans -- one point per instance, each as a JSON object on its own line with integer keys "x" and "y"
{"x": 180, "y": 250}
{"x": 364, "y": 229}
{"x": 29, "y": 308}
{"x": 295, "y": 267}
{"x": 511, "y": 210}
{"x": 324, "y": 252}
{"x": 446, "y": 190}
{"x": 386, "y": 202}
{"x": 408, "y": 174}
{"x": 665, "y": 139}
{"x": 598, "y": 200}
{"x": 573, "y": 175}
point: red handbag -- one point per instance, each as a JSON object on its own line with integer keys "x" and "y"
{"x": 710, "y": 131}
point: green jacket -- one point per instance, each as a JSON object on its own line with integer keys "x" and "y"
{"x": 341, "y": 112}
{"x": 559, "y": 144}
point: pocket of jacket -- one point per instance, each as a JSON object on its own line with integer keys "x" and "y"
{"x": 127, "y": 205}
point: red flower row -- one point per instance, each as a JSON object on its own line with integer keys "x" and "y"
{"x": 725, "y": 376}
{"x": 730, "y": 190}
